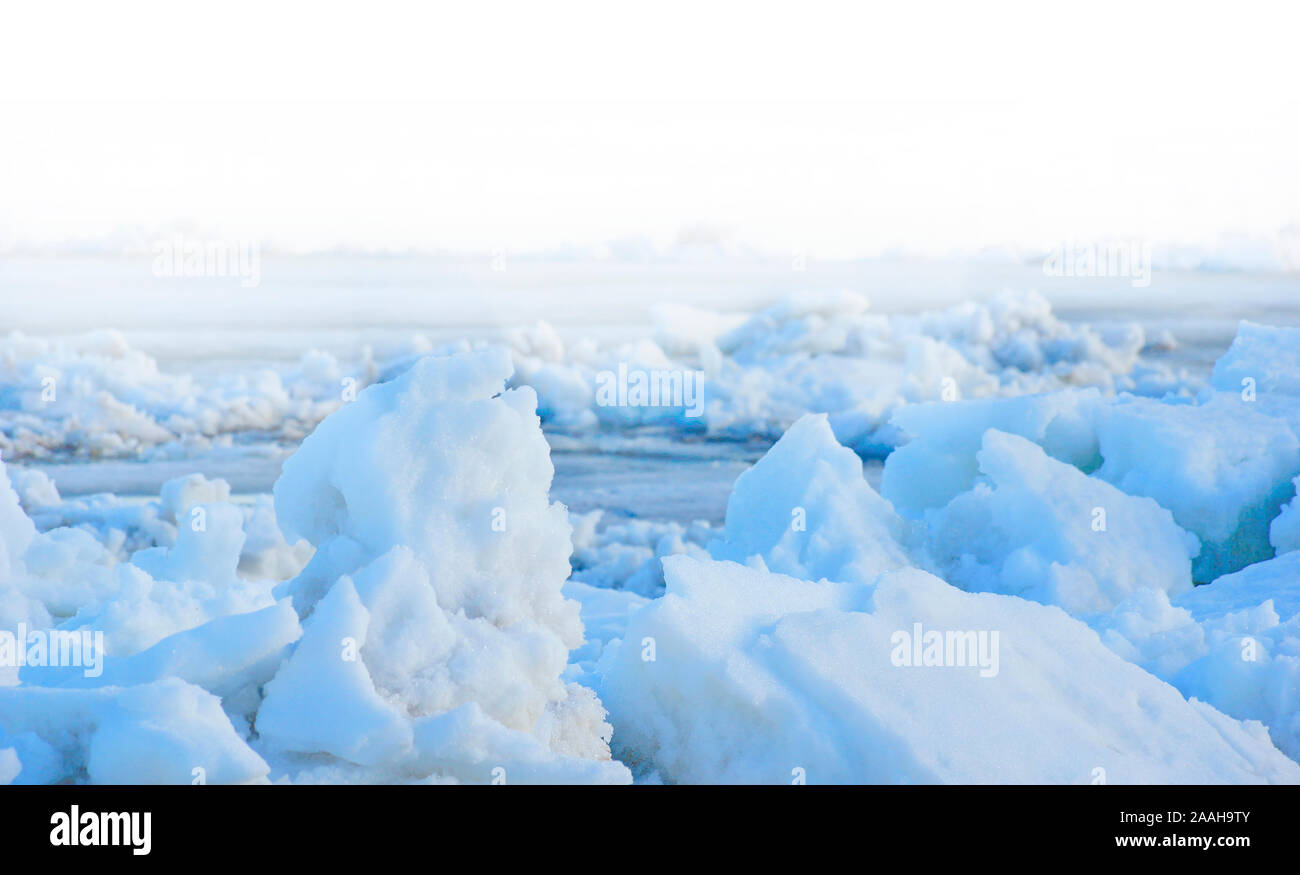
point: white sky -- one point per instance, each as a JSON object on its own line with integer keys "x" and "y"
{"x": 837, "y": 129}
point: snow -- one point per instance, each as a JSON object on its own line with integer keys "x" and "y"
{"x": 165, "y": 590}
{"x": 409, "y": 604}
{"x": 434, "y": 588}
{"x": 439, "y": 564}
{"x": 1277, "y": 580}
{"x": 155, "y": 733}
{"x": 938, "y": 461}
{"x": 180, "y": 494}
{"x": 1284, "y": 531}
{"x": 605, "y": 615}
{"x": 758, "y": 677}
{"x": 322, "y": 699}
{"x": 1019, "y": 524}
{"x": 1043, "y": 530}
{"x": 466, "y": 745}
{"x": 1224, "y": 643}
{"x": 1253, "y": 673}
{"x": 1266, "y": 355}
{"x": 805, "y": 510}
{"x": 231, "y": 657}
{"x": 34, "y": 488}
{"x": 1221, "y": 467}
{"x": 95, "y": 396}
{"x": 829, "y": 354}
{"x": 108, "y": 529}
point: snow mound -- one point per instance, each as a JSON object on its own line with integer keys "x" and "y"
{"x": 806, "y": 511}
{"x": 16, "y": 530}
{"x": 165, "y": 590}
{"x": 125, "y": 528}
{"x": 1221, "y": 467}
{"x": 938, "y": 461}
{"x": 165, "y": 732}
{"x": 323, "y": 700}
{"x": 738, "y": 675}
{"x": 35, "y": 489}
{"x": 1268, "y": 356}
{"x": 436, "y": 583}
{"x": 180, "y": 494}
{"x": 1252, "y": 671}
{"x": 1262, "y": 368}
{"x": 1233, "y": 643}
{"x": 231, "y": 657}
{"x": 65, "y": 578}
{"x": 1041, "y": 529}
{"x": 95, "y": 396}
{"x": 434, "y": 590}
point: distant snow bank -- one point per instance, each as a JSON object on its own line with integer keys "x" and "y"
{"x": 94, "y": 396}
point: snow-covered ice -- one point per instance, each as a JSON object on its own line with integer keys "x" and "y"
{"x": 1044, "y": 530}
{"x": 806, "y": 511}
{"x": 1106, "y": 544}
{"x": 1221, "y": 467}
{"x": 740, "y": 675}
{"x": 435, "y": 586}
{"x": 154, "y": 733}
{"x": 95, "y": 396}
